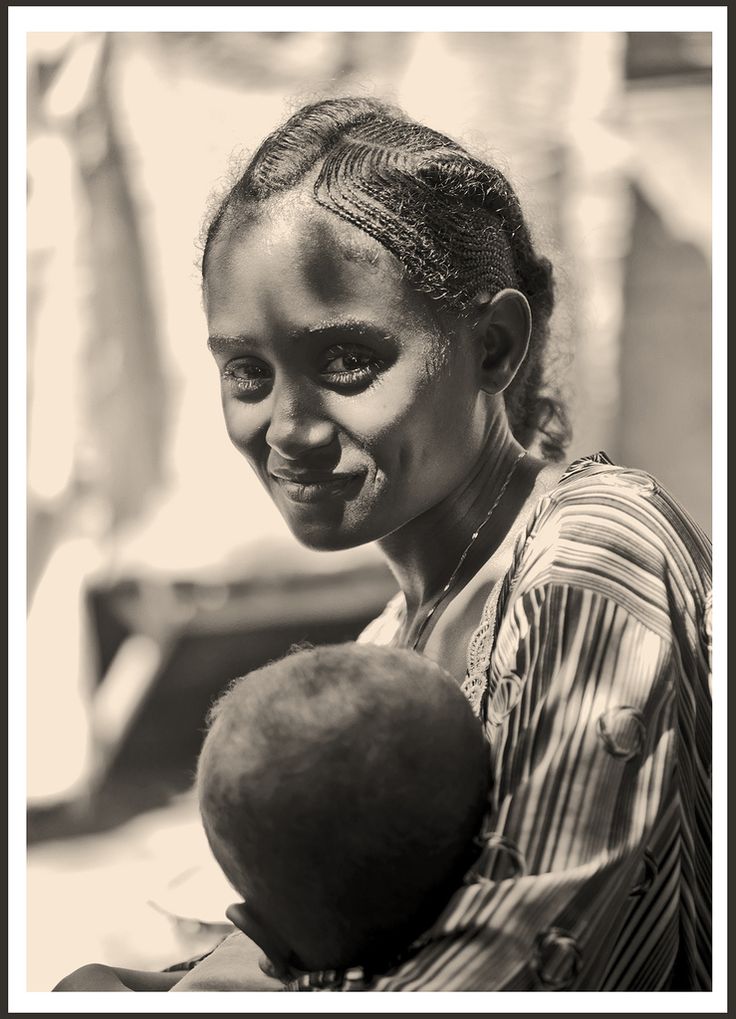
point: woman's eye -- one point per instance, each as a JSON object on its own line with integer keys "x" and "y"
{"x": 350, "y": 366}
{"x": 246, "y": 376}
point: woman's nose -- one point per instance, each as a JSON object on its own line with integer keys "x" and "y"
{"x": 298, "y": 423}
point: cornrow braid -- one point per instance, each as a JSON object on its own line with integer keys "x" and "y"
{"x": 452, "y": 221}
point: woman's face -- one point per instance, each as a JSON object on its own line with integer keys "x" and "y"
{"x": 336, "y": 384}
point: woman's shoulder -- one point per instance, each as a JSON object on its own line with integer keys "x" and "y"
{"x": 618, "y": 509}
{"x": 617, "y": 531}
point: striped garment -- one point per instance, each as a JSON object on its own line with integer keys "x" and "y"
{"x": 590, "y": 671}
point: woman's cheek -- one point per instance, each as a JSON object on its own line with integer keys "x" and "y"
{"x": 394, "y": 404}
{"x": 244, "y": 423}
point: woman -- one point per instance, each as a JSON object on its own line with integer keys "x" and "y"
{"x": 379, "y": 318}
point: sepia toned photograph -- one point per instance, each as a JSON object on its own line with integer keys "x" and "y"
{"x": 366, "y": 424}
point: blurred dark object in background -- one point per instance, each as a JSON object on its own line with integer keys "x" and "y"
{"x": 668, "y": 55}
{"x": 667, "y": 308}
{"x": 166, "y": 649}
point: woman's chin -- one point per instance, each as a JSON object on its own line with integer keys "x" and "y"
{"x": 323, "y": 535}
{"x": 323, "y": 540}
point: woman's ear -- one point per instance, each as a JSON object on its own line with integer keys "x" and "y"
{"x": 504, "y": 326}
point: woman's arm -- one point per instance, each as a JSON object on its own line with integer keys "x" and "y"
{"x": 235, "y": 965}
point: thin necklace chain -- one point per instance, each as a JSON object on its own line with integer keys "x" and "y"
{"x": 476, "y": 532}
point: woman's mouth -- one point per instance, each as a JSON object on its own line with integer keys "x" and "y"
{"x": 313, "y": 486}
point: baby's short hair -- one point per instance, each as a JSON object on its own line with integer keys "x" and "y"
{"x": 343, "y": 786}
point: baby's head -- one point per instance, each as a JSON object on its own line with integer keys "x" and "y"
{"x": 341, "y": 789}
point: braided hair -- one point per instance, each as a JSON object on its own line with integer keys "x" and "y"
{"x": 452, "y": 221}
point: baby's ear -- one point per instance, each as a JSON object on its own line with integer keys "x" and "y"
{"x": 238, "y": 914}
{"x": 271, "y": 944}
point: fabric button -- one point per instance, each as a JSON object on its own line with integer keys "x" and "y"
{"x": 505, "y": 698}
{"x": 557, "y": 958}
{"x": 622, "y": 732}
{"x": 502, "y": 859}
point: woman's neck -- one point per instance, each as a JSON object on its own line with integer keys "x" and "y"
{"x": 424, "y": 553}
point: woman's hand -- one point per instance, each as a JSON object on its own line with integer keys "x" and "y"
{"x": 235, "y": 965}
{"x": 96, "y": 977}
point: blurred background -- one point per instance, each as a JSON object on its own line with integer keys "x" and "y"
{"x": 157, "y": 567}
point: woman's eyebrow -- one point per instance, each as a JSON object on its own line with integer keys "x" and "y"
{"x": 218, "y": 344}
{"x": 348, "y": 324}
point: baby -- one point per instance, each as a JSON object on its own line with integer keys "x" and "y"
{"x": 341, "y": 789}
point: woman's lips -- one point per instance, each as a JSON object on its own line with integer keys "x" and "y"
{"x": 308, "y": 488}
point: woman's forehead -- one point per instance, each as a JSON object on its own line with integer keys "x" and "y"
{"x": 308, "y": 257}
